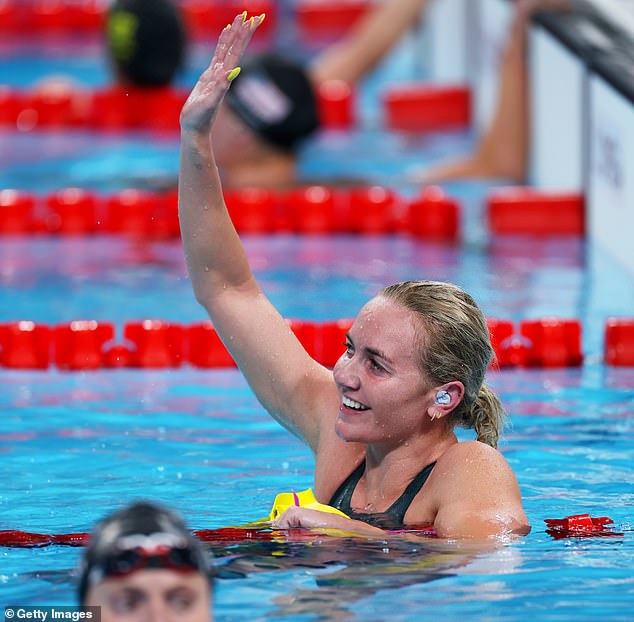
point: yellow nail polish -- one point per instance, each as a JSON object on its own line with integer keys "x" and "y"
{"x": 251, "y": 23}
{"x": 233, "y": 74}
{"x": 244, "y": 17}
{"x": 262, "y": 17}
{"x": 227, "y": 27}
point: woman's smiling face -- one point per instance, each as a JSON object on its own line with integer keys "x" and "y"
{"x": 384, "y": 393}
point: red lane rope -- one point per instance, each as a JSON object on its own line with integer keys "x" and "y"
{"x": 25, "y": 539}
{"x": 431, "y": 214}
{"x": 202, "y": 17}
{"x": 574, "y": 526}
{"x": 88, "y": 344}
{"x": 312, "y": 209}
{"x": 580, "y": 526}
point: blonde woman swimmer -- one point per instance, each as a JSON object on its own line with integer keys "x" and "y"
{"x": 381, "y": 423}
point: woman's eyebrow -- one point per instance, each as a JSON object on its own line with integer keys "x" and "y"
{"x": 379, "y": 354}
{"x": 372, "y": 351}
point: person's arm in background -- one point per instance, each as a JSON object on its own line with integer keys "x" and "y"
{"x": 503, "y": 151}
{"x": 368, "y": 41}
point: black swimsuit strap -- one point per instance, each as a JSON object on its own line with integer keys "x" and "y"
{"x": 343, "y": 495}
{"x": 396, "y": 512}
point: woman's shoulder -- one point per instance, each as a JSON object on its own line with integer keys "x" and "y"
{"x": 473, "y": 461}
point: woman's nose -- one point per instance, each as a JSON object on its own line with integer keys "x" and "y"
{"x": 345, "y": 373}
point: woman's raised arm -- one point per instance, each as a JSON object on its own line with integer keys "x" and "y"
{"x": 294, "y": 388}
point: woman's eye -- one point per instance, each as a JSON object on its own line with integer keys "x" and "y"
{"x": 376, "y": 366}
{"x": 349, "y": 348}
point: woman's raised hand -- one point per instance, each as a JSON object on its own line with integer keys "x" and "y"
{"x": 202, "y": 104}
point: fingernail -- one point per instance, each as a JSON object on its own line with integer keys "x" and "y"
{"x": 233, "y": 74}
{"x": 251, "y": 23}
{"x": 262, "y": 18}
{"x": 227, "y": 27}
{"x": 244, "y": 17}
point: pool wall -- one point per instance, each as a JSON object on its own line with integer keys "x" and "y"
{"x": 582, "y": 100}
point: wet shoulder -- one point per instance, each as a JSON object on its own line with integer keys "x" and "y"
{"x": 473, "y": 461}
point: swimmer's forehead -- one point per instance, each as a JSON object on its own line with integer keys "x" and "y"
{"x": 386, "y": 328}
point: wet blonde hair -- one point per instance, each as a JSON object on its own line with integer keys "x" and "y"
{"x": 457, "y": 347}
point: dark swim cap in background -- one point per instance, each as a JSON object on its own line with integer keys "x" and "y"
{"x": 142, "y": 535}
{"x": 147, "y": 40}
{"x": 273, "y": 95}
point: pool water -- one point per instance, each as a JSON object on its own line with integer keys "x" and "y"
{"x": 76, "y": 445}
{"x": 198, "y": 439}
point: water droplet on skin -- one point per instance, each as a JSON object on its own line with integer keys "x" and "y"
{"x": 206, "y": 268}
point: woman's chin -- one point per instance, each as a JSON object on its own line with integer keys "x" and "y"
{"x": 349, "y": 432}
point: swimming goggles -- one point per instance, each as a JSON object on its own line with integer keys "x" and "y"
{"x": 162, "y": 557}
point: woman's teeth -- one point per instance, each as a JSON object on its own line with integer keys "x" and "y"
{"x": 349, "y": 403}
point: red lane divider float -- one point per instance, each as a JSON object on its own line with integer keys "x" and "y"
{"x": 205, "y": 18}
{"x": 426, "y": 107}
{"x": 328, "y": 18}
{"x": 51, "y": 15}
{"x": 88, "y": 344}
{"x": 433, "y": 214}
{"x": 17, "y": 212}
{"x": 552, "y": 342}
{"x": 202, "y": 17}
{"x": 373, "y": 210}
{"x": 25, "y": 539}
{"x": 71, "y": 211}
{"x": 25, "y": 345}
{"x": 535, "y": 212}
{"x": 156, "y": 343}
{"x": 619, "y": 342}
{"x": 304, "y": 210}
{"x": 317, "y": 209}
{"x": 114, "y": 108}
{"x": 80, "y": 344}
{"x": 580, "y": 526}
{"x": 502, "y": 334}
{"x": 74, "y": 211}
{"x": 336, "y": 105}
{"x": 545, "y": 342}
{"x": 575, "y": 526}
{"x": 205, "y": 347}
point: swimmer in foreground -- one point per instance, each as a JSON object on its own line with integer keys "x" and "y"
{"x": 142, "y": 563}
{"x": 381, "y": 424}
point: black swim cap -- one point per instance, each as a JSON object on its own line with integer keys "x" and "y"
{"x": 147, "y": 40}
{"x": 273, "y": 95}
{"x": 140, "y": 536}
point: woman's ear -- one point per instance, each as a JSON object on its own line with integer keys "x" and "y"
{"x": 447, "y": 397}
